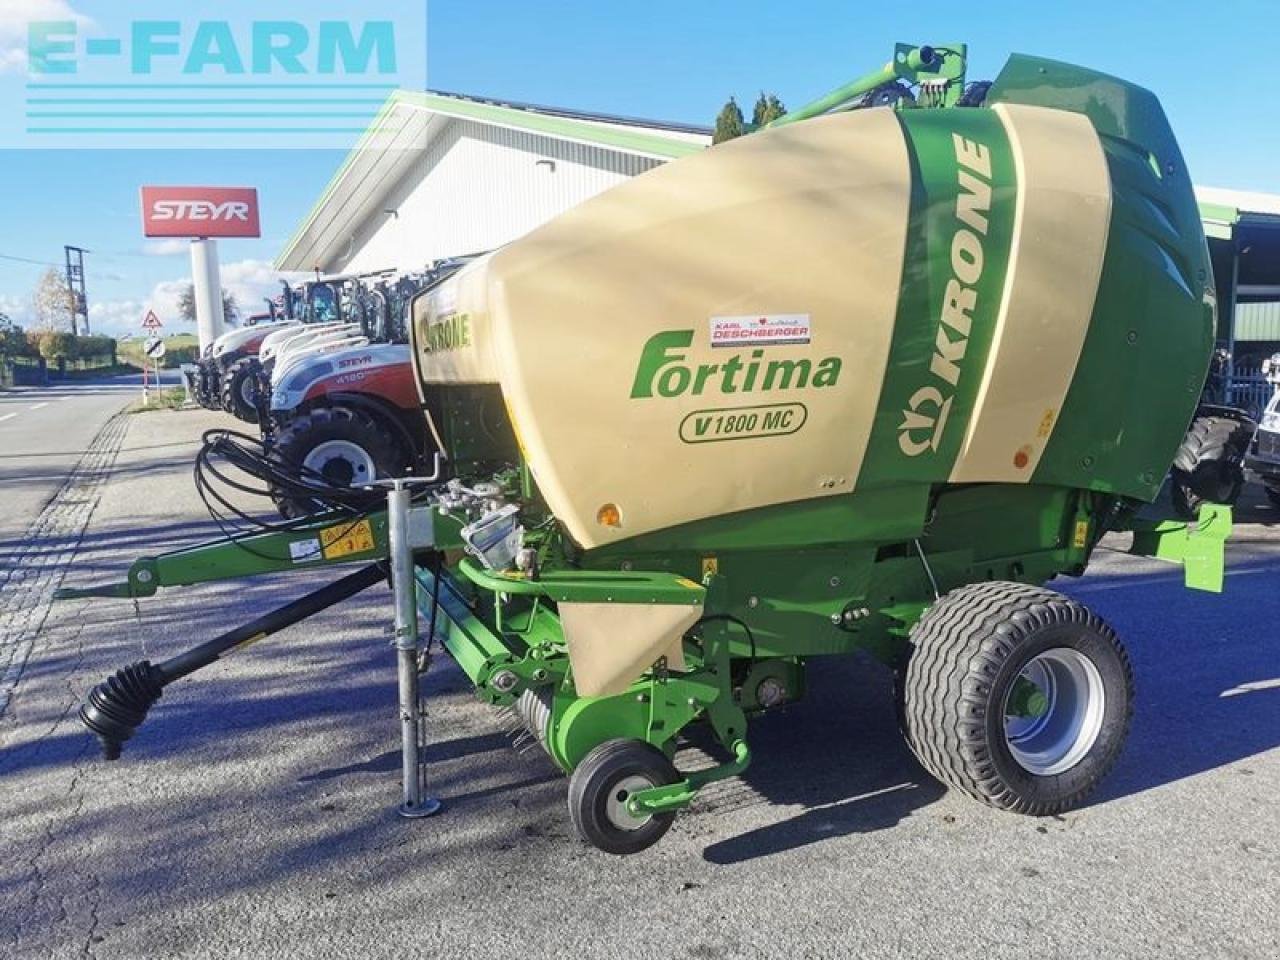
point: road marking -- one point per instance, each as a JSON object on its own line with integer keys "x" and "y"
{"x": 37, "y": 406}
{"x": 1250, "y": 687}
{"x": 7, "y": 416}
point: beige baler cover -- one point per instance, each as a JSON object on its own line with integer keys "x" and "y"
{"x": 784, "y": 224}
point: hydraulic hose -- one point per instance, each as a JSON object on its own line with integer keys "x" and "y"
{"x": 116, "y": 707}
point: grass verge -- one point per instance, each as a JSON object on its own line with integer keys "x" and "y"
{"x": 172, "y": 398}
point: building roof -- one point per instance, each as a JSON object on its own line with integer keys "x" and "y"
{"x": 1222, "y": 209}
{"x": 408, "y": 122}
{"x": 1249, "y": 222}
{"x": 696, "y": 130}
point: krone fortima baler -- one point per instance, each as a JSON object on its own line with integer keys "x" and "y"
{"x": 863, "y": 380}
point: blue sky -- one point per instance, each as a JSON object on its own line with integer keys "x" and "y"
{"x": 1209, "y": 63}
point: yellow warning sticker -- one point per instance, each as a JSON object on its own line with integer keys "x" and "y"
{"x": 710, "y": 565}
{"x": 1081, "y": 539}
{"x": 345, "y": 539}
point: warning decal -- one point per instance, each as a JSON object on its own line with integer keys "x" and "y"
{"x": 347, "y": 538}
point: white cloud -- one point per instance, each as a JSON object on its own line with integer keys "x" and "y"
{"x": 171, "y": 247}
{"x": 115, "y": 317}
{"x": 19, "y": 310}
{"x": 250, "y": 281}
{"x": 13, "y": 27}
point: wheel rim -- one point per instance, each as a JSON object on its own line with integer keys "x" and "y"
{"x": 1070, "y": 701}
{"x": 247, "y": 387}
{"x": 615, "y": 808}
{"x": 341, "y": 462}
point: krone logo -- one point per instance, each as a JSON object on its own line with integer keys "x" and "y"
{"x": 925, "y": 418}
{"x": 451, "y": 332}
{"x": 923, "y": 421}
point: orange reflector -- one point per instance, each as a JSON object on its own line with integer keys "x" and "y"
{"x": 609, "y": 515}
{"x": 1022, "y": 458}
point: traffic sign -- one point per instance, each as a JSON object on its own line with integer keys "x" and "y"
{"x": 151, "y": 321}
{"x": 154, "y": 348}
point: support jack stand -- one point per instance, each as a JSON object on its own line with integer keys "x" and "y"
{"x": 415, "y": 803}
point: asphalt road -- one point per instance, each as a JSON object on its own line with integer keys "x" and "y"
{"x": 253, "y": 814}
{"x": 43, "y": 433}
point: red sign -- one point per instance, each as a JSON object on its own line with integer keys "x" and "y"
{"x": 200, "y": 212}
{"x": 151, "y": 321}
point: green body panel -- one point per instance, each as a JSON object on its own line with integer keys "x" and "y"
{"x": 919, "y": 332}
{"x": 1147, "y": 351}
{"x": 885, "y": 515}
{"x": 1198, "y": 547}
{"x": 595, "y": 586}
{"x": 476, "y": 648}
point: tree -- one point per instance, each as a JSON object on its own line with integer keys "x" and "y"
{"x": 54, "y": 304}
{"x": 187, "y": 305}
{"x": 768, "y": 108}
{"x": 13, "y": 341}
{"x": 56, "y": 345}
{"x": 729, "y": 123}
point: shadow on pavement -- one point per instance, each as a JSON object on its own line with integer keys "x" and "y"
{"x": 838, "y": 754}
{"x": 25, "y": 474}
{"x": 389, "y": 762}
{"x": 1201, "y": 663}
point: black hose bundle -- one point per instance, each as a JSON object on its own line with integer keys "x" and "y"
{"x": 229, "y": 461}
{"x": 232, "y": 460}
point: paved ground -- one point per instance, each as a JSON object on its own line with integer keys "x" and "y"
{"x": 43, "y": 433}
{"x": 253, "y": 814}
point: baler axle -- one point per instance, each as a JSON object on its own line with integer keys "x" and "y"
{"x": 677, "y": 796}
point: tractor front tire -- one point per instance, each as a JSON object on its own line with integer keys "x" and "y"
{"x": 1016, "y": 695}
{"x": 1208, "y": 467}
{"x": 239, "y": 387}
{"x": 206, "y": 387}
{"x": 342, "y": 446}
{"x": 598, "y": 791}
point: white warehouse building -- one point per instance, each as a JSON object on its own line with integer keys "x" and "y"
{"x": 441, "y": 175}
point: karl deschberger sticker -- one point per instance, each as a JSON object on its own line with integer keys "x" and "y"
{"x": 760, "y": 330}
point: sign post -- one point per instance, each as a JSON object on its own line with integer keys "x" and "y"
{"x": 206, "y": 289}
{"x": 152, "y": 350}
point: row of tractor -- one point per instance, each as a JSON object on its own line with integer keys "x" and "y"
{"x": 327, "y": 377}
